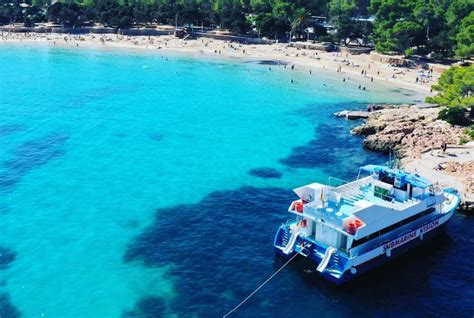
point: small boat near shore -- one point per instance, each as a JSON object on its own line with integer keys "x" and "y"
{"x": 349, "y": 228}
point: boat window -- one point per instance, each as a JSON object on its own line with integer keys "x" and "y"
{"x": 404, "y": 187}
{"x": 364, "y": 239}
{"x": 391, "y": 227}
{"x": 388, "y": 179}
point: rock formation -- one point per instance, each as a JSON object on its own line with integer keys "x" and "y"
{"x": 462, "y": 170}
{"x": 408, "y": 131}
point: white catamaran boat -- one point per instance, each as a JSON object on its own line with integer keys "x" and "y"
{"x": 350, "y": 228}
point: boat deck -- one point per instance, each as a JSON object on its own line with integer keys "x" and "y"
{"x": 356, "y": 195}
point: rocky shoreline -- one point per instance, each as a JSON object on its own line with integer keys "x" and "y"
{"x": 406, "y": 130}
{"x": 415, "y": 135}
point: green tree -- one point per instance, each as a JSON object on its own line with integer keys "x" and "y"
{"x": 455, "y": 92}
{"x": 272, "y": 26}
{"x": 341, "y": 13}
{"x": 231, "y": 16}
{"x": 457, "y": 11}
{"x": 465, "y": 38}
{"x": 421, "y": 25}
{"x": 278, "y": 21}
{"x": 124, "y": 22}
{"x": 403, "y": 35}
{"x": 299, "y": 21}
{"x": 432, "y": 36}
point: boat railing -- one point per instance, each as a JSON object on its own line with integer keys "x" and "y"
{"x": 336, "y": 182}
{"x": 433, "y": 190}
{"x": 292, "y": 220}
{"x": 437, "y": 189}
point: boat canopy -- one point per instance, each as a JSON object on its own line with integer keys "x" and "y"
{"x": 414, "y": 179}
{"x": 314, "y": 192}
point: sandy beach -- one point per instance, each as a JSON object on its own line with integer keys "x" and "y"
{"x": 361, "y": 68}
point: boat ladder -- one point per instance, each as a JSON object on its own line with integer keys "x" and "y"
{"x": 335, "y": 259}
{"x": 289, "y": 247}
{"x": 285, "y": 237}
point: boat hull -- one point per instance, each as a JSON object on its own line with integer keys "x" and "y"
{"x": 383, "y": 258}
{"x": 377, "y": 261}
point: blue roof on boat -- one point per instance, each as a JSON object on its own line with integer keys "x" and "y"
{"x": 411, "y": 178}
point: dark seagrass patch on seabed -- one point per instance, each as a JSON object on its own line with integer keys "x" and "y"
{"x": 10, "y": 129}
{"x": 156, "y": 136}
{"x": 96, "y": 94}
{"x": 121, "y": 134}
{"x": 30, "y": 155}
{"x": 7, "y": 310}
{"x": 147, "y": 307}
{"x": 7, "y": 256}
{"x": 201, "y": 246}
{"x": 333, "y": 150}
{"x": 265, "y": 173}
{"x": 3, "y": 208}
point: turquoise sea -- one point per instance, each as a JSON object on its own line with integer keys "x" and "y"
{"x": 142, "y": 185}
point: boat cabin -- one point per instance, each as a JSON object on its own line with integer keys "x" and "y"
{"x": 381, "y": 201}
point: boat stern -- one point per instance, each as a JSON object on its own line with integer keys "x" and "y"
{"x": 329, "y": 262}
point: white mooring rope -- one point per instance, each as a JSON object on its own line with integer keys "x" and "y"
{"x": 259, "y": 287}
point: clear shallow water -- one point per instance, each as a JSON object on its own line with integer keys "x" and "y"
{"x": 128, "y": 188}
